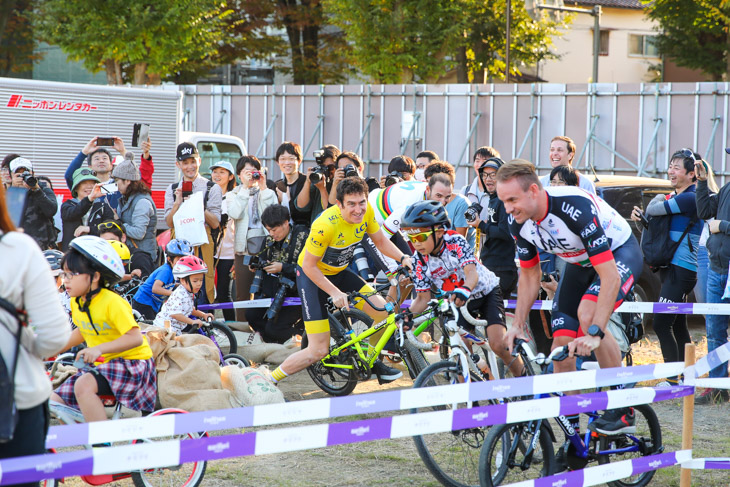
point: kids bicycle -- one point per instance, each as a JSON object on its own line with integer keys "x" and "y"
{"x": 187, "y": 475}
{"x": 524, "y": 451}
{"x": 453, "y": 457}
{"x": 351, "y": 356}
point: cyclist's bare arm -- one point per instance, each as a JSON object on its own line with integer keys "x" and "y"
{"x": 74, "y": 340}
{"x": 309, "y": 266}
{"x": 419, "y": 304}
{"x": 528, "y": 286}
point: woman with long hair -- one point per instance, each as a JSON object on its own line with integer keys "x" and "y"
{"x": 26, "y": 284}
{"x": 137, "y": 212}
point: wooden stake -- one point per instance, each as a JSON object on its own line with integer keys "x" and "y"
{"x": 688, "y": 412}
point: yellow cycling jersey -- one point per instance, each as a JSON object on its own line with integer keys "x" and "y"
{"x": 334, "y": 240}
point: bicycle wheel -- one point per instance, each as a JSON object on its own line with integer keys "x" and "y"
{"x": 648, "y": 432}
{"x": 224, "y": 337}
{"x": 414, "y": 358}
{"x": 336, "y": 381}
{"x": 187, "y": 475}
{"x": 238, "y": 360}
{"x": 502, "y": 455}
{"x": 452, "y": 457}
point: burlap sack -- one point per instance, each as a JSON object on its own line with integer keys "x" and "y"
{"x": 188, "y": 372}
{"x": 60, "y": 372}
{"x": 250, "y": 386}
{"x": 270, "y": 353}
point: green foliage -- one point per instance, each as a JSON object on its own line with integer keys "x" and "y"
{"x": 693, "y": 33}
{"x": 401, "y": 41}
{"x": 157, "y": 38}
{"x": 16, "y": 37}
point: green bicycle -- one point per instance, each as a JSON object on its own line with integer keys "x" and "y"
{"x": 351, "y": 356}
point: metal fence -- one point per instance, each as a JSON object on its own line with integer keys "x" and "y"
{"x": 618, "y": 128}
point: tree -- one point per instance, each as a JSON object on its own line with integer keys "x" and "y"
{"x": 318, "y": 52}
{"x": 398, "y": 41}
{"x": 694, "y": 33}
{"x": 133, "y": 40}
{"x": 16, "y": 38}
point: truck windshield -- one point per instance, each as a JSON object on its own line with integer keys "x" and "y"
{"x": 212, "y": 152}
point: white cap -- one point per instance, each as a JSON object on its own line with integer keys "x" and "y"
{"x": 19, "y": 162}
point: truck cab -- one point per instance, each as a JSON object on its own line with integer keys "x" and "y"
{"x": 214, "y": 148}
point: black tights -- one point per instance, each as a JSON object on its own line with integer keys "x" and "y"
{"x": 671, "y": 329}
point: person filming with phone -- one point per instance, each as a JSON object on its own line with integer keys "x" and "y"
{"x": 41, "y": 204}
{"x": 188, "y": 162}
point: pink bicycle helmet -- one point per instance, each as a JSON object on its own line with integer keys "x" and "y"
{"x": 189, "y": 266}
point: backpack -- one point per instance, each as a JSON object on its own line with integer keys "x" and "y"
{"x": 8, "y": 410}
{"x": 656, "y": 244}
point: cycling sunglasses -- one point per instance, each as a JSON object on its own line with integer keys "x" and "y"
{"x": 108, "y": 226}
{"x": 419, "y": 237}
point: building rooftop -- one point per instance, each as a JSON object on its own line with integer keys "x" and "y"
{"x": 632, "y": 4}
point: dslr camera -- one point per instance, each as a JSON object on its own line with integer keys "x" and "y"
{"x": 351, "y": 172}
{"x": 321, "y": 171}
{"x": 393, "y": 177}
{"x": 254, "y": 261}
{"x": 472, "y": 213}
{"x": 554, "y": 274}
{"x": 29, "y": 179}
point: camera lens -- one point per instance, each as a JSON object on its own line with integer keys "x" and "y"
{"x": 258, "y": 278}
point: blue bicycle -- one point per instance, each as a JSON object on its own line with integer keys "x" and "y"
{"x": 524, "y": 451}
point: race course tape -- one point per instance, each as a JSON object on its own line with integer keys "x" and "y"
{"x": 334, "y": 407}
{"x": 626, "y": 307}
{"x": 603, "y": 474}
{"x": 143, "y": 455}
{"x": 707, "y": 464}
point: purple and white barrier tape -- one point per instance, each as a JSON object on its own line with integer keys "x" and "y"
{"x": 707, "y": 464}
{"x": 603, "y": 474}
{"x": 634, "y": 307}
{"x": 170, "y": 453}
{"x": 375, "y": 402}
{"x": 713, "y": 359}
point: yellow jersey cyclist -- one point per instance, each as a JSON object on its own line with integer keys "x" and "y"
{"x": 322, "y": 272}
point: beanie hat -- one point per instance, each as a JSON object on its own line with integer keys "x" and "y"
{"x": 126, "y": 170}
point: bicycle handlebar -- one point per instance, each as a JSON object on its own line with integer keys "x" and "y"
{"x": 355, "y": 294}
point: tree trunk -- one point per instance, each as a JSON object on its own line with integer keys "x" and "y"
{"x": 140, "y": 73}
{"x": 111, "y": 73}
{"x": 462, "y": 72}
{"x": 154, "y": 78}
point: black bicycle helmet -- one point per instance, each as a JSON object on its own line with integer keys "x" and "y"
{"x": 425, "y": 214}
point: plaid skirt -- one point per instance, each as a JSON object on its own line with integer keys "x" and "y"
{"x": 134, "y": 383}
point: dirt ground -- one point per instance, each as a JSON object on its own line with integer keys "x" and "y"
{"x": 396, "y": 462}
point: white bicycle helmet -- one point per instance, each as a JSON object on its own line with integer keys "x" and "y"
{"x": 102, "y": 255}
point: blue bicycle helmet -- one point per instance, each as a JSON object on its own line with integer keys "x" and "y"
{"x": 425, "y": 214}
{"x": 178, "y": 248}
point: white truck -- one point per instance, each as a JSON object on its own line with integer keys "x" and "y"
{"x": 49, "y": 123}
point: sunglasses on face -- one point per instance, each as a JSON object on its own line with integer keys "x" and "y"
{"x": 108, "y": 226}
{"x": 419, "y": 237}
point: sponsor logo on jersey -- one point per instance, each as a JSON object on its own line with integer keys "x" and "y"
{"x": 571, "y": 211}
{"x": 598, "y": 242}
{"x": 360, "y": 230}
{"x": 588, "y": 230}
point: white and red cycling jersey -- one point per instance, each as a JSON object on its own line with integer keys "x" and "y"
{"x": 390, "y": 203}
{"x": 579, "y": 227}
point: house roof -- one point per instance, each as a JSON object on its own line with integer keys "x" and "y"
{"x": 632, "y": 4}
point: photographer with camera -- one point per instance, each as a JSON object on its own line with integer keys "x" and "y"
{"x": 400, "y": 168}
{"x": 41, "y": 204}
{"x": 245, "y": 203}
{"x": 498, "y": 247}
{"x": 276, "y": 265}
{"x": 348, "y": 165}
{"x": 314, "y": 196}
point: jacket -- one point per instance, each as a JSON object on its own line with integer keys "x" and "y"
{"x": 37, "y": 221}
{"x": 716, "y": 205}
{"x": 237, "y": 203}
{"x": 139, "y": 217}
{"x": 26, "y": 281}
{"x": 73, "y": 211}
{"x": 287, "y": 252}
{"x": 498, "y": 249}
